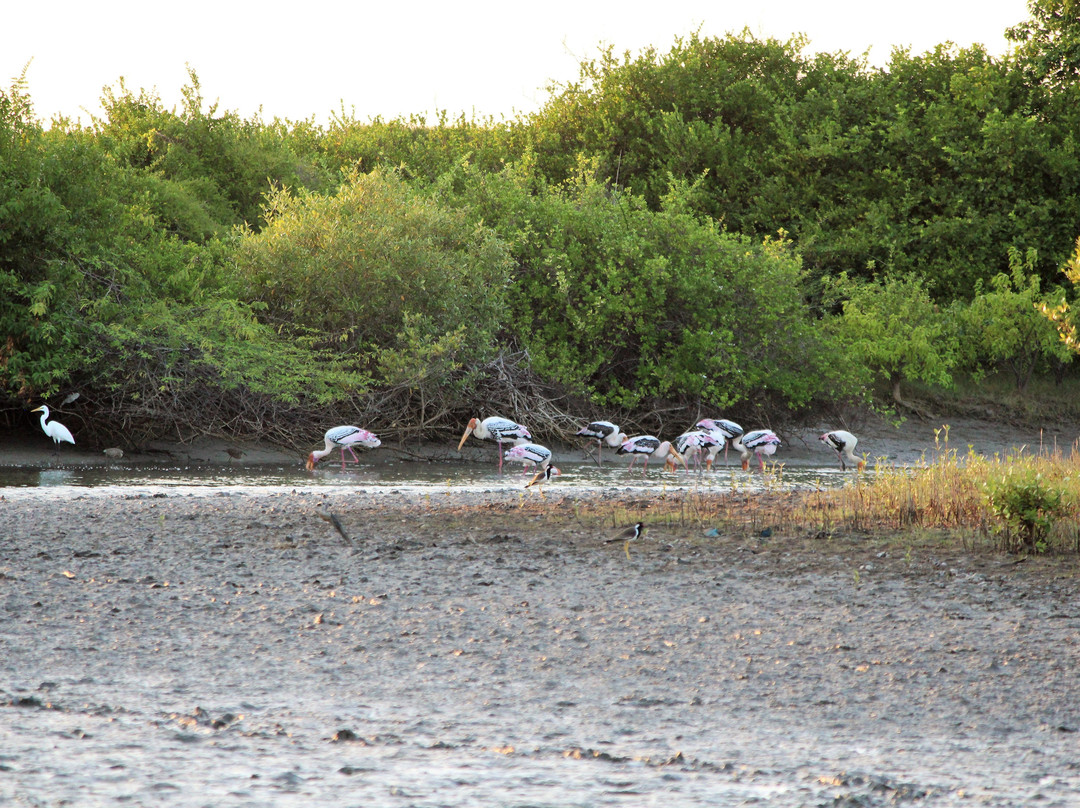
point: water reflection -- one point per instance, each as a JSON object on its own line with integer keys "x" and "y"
{"x": 404, "y": 477}
{"x": 56, "y": 477}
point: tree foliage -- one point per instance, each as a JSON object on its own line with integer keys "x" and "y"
{"x": 1066, "y": 317}
{"x": 633, "y": 305}
{"x": 730, "y": 223}
{"x": 1049, "y": 42}
{"x": 380, "y": 271}
{"x": 893, "y": 329}
{"x": 1004, "y": 326}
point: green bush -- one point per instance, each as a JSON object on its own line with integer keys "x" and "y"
{"x": 1029, "y": 507}
{"x": 630, "y": 306}
{"x": 379, "y": 270}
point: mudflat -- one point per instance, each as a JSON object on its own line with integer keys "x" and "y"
{"x": 465, "y": 649}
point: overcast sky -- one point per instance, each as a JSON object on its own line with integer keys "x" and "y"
{"x": 481, "y": 58}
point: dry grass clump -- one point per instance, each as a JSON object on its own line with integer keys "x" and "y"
{"x": 1027, "y": 501}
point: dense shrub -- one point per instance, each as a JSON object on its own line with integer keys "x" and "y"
{"x": 380, "y": 271}
{"x": 634, "y": 305}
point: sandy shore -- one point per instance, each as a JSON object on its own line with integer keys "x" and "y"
{"x": 461, "y": 650}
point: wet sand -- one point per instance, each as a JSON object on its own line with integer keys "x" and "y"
{"x": 462, "y": 650}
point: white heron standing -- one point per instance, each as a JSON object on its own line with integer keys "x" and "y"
{"x": 54, "y": 429}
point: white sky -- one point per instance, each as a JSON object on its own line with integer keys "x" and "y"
{"x": 482, "y": 58}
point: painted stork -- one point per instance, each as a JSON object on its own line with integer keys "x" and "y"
{"x": 632, "y": 533}
{"x": 729, "y": 431}
{"x": 691, "y": 444}
{"x": 543, "y": 476}
{"x": 343, "y": 437}
{"x": 761, "y": 442}
{"x": 530, "y": 454}
{"x": 603, "y": 432}
{"x": 500, "y": 430}
{"x": 844, "y": 444}
{"x": 55, "y": 430}
{"x": 648, "y": 446}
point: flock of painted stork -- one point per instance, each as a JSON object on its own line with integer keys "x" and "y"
{"x": 700, "y": 445}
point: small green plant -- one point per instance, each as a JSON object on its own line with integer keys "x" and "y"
{"x": 1029, "y": 508}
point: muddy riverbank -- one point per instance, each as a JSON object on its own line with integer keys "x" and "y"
{"x": 237, "y": 649}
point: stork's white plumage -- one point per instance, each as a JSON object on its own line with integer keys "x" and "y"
{"x": 648, "y": 446}
{"x": 55, "y": 430}
{"x": 500, "y": 430}
{"x": 603, "y": 432}
{"x": 843, "y": 443}
{"x": 762, "y": 442}
{"x": 343, "y": 437}
{"x": 729, "y": 431}
{"x": 530, "y": 454}
{"x": 692, "y": 444}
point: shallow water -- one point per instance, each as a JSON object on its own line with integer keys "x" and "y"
{"x": 405, "y": 477}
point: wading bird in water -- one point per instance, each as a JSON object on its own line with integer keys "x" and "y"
{"x": 603, "y": 432}
{"x": 500, "y": 430}
{"x": 55, "y": 430}
{"x": 727, "y": 431}
{"x": 344, "y": 437}
{"x": 647, "y": 446}
{"x": 761, "y": 442}
{"x": 691, "y": 445}
{"x": 843, "y": 443}
{"x": 530, "y": 454}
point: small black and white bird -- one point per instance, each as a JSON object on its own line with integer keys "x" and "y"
{"x": 603, "y": 432}
{"x": 541, "y": 477}
{"x": 632, "y": 533}
{"x": 843, "y": 443}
